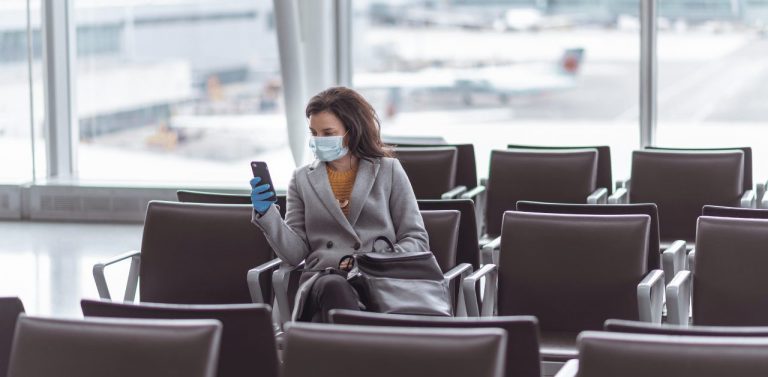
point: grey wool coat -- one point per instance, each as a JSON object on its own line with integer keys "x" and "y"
{"x": 316, "y": 231}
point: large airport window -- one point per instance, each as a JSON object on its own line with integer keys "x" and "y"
{"x": 497, "y": 72}
{"x": 15, "y": 116}
{"x": 179, "y": 92}
{"x": 713, "y": 77}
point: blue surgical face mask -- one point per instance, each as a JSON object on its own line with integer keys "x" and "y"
{"x": 328, "y": 148}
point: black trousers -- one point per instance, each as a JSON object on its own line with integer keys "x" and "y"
{"x": 328, "y": 292}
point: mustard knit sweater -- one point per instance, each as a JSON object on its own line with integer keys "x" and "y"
{"x": 341, "y": 184}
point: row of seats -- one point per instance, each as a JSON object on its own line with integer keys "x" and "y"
{"x": 603, "y": 262}
{"x": 237, "y": 340}
{"x": 679, "y": 181}
{"x": 570, "y": 274}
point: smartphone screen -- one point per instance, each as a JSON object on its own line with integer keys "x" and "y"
{"x": 260, "y": 169}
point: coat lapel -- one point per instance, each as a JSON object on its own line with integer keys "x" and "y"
{"x": 318, "y": 177}
{"x": 366, "y": 176}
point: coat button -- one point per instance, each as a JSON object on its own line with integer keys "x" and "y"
{"x": 357, "y": 246}
{"x": 329, "y": 244}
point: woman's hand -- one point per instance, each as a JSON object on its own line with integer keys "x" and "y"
{"x": 260, "y": 195}
{"x": 347, "y": 263}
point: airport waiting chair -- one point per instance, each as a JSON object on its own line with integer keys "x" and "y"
{"x": 729, "y": 277}
{"x": 556, "y": 176}
{"x": 466, "y": 171}
{"x": 247, "y": 337}
{"x": 187, "y": 196}
{"x": 442, "y": 228}
{"x": 604, "y": 354}
{"x": 431, "y": 171}
{"x": 467, "y": 250}
{"x": 10, "y": 308}
{"x": 635, "y": 327}
{"x": 114, "y": 347}
{"x": 672, "y": 260}
{"x": 522, "y": 357}
{"x": 194, "y": 253}
{"x": 604, "y": 165}
{"x": 322, "y": 350}
{"x": 573, "y": 272}
{"x": 681, "y": 183}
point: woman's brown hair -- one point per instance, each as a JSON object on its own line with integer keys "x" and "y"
{"x": 357, "y": 116}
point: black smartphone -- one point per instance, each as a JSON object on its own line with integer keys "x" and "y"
{"x": 260, "y": 169}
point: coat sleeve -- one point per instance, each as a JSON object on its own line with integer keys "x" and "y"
{"x": 288, "y": 237}
{"x": 406, "y": 218}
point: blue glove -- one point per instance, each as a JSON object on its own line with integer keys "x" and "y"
{"x": 260, "y": 195}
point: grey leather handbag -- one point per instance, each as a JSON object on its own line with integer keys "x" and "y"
{"x": 401, "y": 282}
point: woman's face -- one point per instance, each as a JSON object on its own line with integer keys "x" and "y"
{"x": 326, "y": 124}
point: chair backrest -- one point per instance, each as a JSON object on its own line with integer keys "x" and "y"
{"x": 199, "y": 253}
{"x": 431, "y": 171}
{"x": 114, "y": 347}
{"x": 743, "y": 213}
{"x": 636, "y": 327}
{"x": 466, "y": 166}
{"x": 10, "y": 308}
{"x": 654, "y": 256}
{"x": 748, "y": 183}
{"x": 522, "y": 358}
{"x": 188, "y": 196}
{"x": 731, "y": 272}
{"x": 467, "y": 250}
{"x": 321, "y": 350}
{"x": 443, "y": 230}
{"x": 681, "y": 183}
{"x": 572, "y": 271}
{"x": 603, "y": 354}
{"x": 247, "y": 337}
{"x": 604, "y": 167}
{"x": 538, "y": 175}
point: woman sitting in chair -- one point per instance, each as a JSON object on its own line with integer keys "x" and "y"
{"x": 337, "y": 205}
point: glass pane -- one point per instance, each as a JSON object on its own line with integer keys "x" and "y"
{"x": 713, "y": 76}
{"x": 15, "y": 119}
{"x": 495, "y": 72}
{"x": 183, "y": 91}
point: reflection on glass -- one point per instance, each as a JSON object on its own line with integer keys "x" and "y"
{"x": 501, "y": 72}
{"x": 713, "y": 76}
{"x": 183, "y": 91}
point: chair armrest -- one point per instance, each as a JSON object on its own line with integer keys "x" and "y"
{"x": 491, "y": 275}
{"x": 478, "y": 195}
{"x": 650, "y": 296}
{"x": 673, "y": 260}
{"x": 620, "y": 196}
{"x": 454, "y": 192}
{"x": 692, "y": 260}
{"x": 489, "y": 253}
{"x": 679, "y": 298}
{"x": 748, "y": 199}
{"x": 133, "y": 275}
{"x": 259, "y": 294}
{"x": 459, "y": 272}
{"x": 599, "y": 196}
{"x": 472, "y": 194}
{"x": 570, "y": 369}
{"x": 281, "y": 279}
{"x": 760, "y": 192}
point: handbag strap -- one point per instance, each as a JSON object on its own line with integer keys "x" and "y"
{"x": 385, "y": 239}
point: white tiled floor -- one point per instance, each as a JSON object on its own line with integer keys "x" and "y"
{"x": 49, "y": 265}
